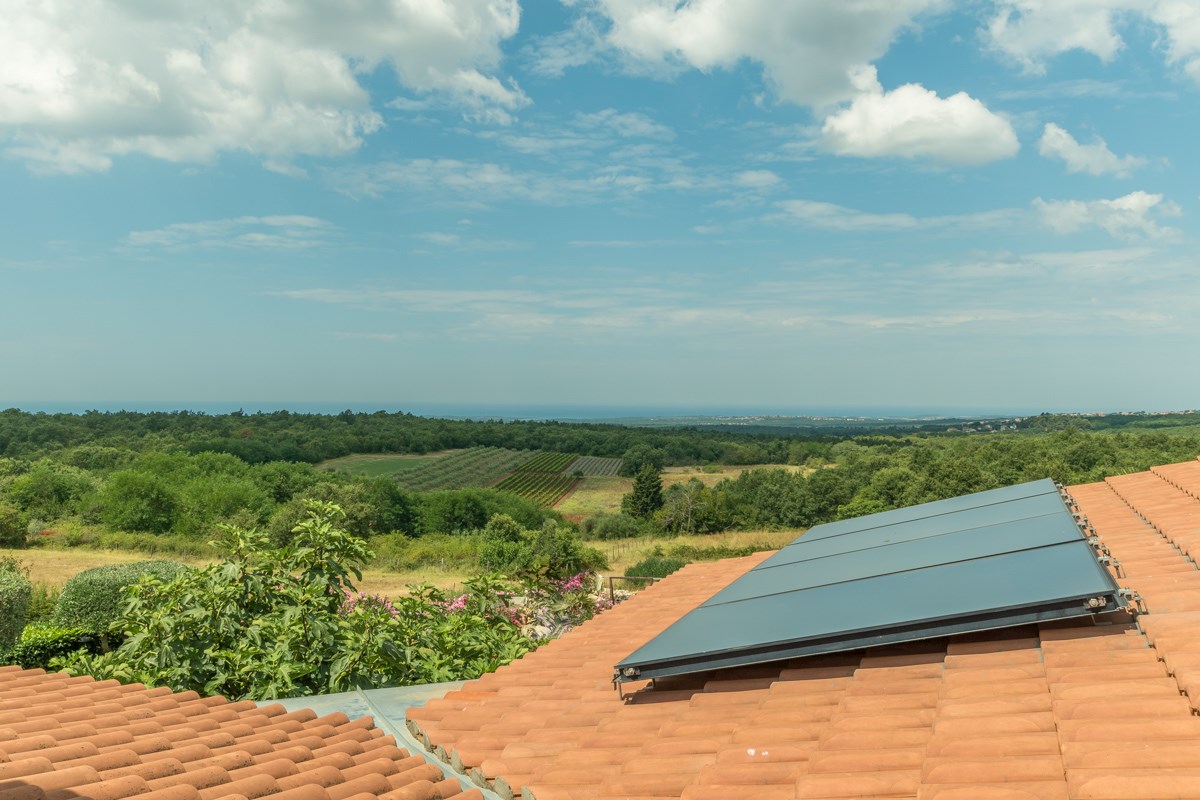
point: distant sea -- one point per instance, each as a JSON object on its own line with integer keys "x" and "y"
{"x": 605, "y": 413}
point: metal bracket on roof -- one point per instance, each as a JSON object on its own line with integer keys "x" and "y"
{"x": 1098, "y": 545}
{"x": 622, "y": 675}
{"x": 1135, "y": 598}
{"x": 1108, "y": 561}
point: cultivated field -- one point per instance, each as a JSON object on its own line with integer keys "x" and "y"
{"x": 543, "y": 488}
{"x": 376, "y": 464}
{"x": 595, "y": 466}
{"x": 478, "y": 466}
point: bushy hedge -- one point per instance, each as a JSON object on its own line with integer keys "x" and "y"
{"x": 92, "y": 599}
{"x": 655, "y": 565}
{"x": 42, "y": 641}
{"x": 14, "y": 604}
{"x": 611, "y": 526}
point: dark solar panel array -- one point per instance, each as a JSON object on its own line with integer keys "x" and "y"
{"x": 994, "y": 559}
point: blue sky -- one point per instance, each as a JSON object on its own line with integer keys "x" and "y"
{"x": 415, "y": 203}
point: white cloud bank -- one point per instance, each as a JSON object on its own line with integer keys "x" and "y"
{"x": 1094, "y": 158}
{"x": 814, "y": 53}
{"x": 81, "y": 83}
{"x": 809, "y": 49}
{"x": 1129, "y": 217}
{"x": 1031, "y": 31}
{"x": 276, "y": 232}
{"x": 913, "y": 122}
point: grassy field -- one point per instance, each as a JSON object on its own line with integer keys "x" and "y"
{"x": 623, "y": 553}
{"x": 595, "y": 495}
{"x": 376, "y": 464}
{"x": 56, "y": 567}
{"x": 711, "y": 476}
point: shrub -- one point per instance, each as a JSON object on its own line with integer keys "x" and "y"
{"x": 42, "y": 600}
{"x": 510, "y": 558}
{"x": 12, "y": 527}
{"x": 14, "y": 604}
{"x": 558, "y": 554}
{"x": 611, "y": 526}
{"x": 715, "y": 552}
{"x": 92, "y": 599}
{"x": 552, "y": 552}
{"x": 41, "y": 641}
{"x": 656, "y": 565}
{"x": 398, "y": 553}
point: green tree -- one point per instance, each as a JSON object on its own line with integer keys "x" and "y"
{"x": 647, "y": 494}
{"x": 12, "y": 526}
{"x": 49, "y": 490}
{"x": 639, "y": 457}
{"x": 692, "y": 507}
{"x": 139, "y": 501}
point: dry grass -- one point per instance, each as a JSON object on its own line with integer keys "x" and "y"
{"x": 710, "y": 476}
{"x": 603, "y": 495}
{"x": 56, "y": 567}
{"x": 595, "y": 495}
{"x": 623, "y": 553}
{"x": 394, "y": 584}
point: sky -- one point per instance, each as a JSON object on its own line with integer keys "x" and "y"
{"x": 983, "y": 204}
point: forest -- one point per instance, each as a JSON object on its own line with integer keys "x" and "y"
{"x": 137, "y": 480}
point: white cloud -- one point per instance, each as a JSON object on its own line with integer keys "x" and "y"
{"x": 757, "y": 180}
{"x": 809, "y": 49}
{"x": 625, "y": 125}
{"x": 913, "y": 122}
{"x": 832, "y": 217}
{"x": 475, "y": 183}
{"x": 1094, "y": 158}
{"x": 279, "y": 232}
{"x": 622, "y": 173}
{"x": 454, "y": 241}
{"x": 81, "y": 84}
{"x": 1129, "y": 217}
{"x": 1134, "y": 216}
{"x": 553, "y": 55}
{"x": 1032, "y": 31}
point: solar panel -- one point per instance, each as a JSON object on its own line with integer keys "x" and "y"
{"x": 995, "y": 559}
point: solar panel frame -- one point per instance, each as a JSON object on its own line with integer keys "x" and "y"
{"x": 932, "y": 571}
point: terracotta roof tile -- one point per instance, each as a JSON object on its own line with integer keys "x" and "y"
{"x": 64, "y": 737}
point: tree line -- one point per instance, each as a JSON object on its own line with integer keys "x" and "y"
{"x": 161, "y": 474}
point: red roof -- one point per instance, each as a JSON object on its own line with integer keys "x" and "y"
{"x": 1096, "y": 712}
{"x": 63, "y": 737}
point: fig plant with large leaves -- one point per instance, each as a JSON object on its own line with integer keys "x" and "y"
{"x": 283, "y": 621}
